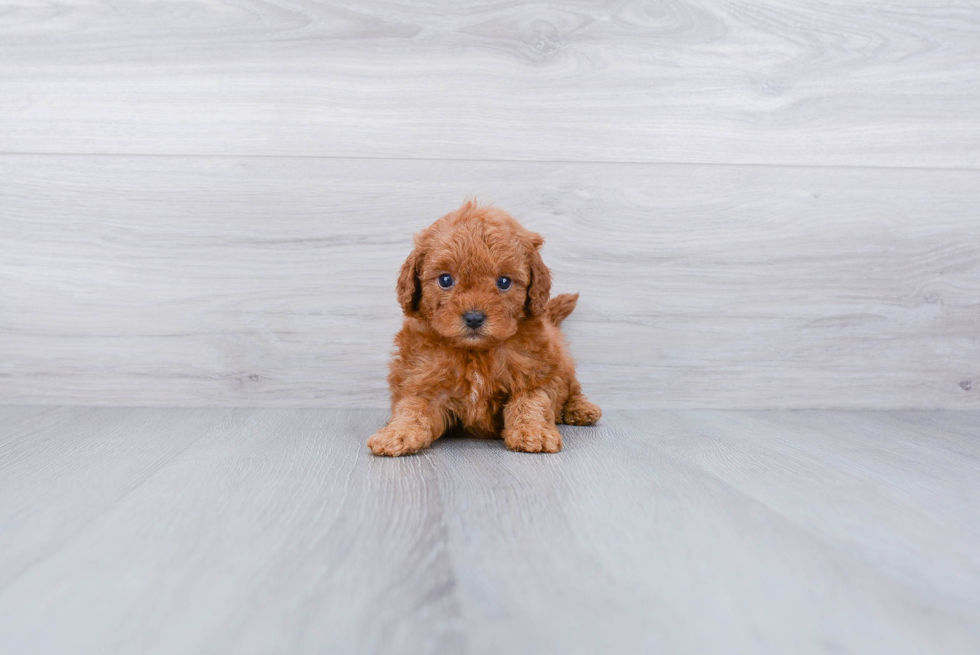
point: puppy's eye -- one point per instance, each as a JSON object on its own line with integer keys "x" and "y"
{"x": 503, "y": 282}
{"x": 445, "y": 280}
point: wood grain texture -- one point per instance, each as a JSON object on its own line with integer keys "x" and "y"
{"x": 683, "y": 531}
{"x": 61, "y": 468}
{"x": 770, "y": 82}
{"x": 277, "y": 532}
{"x": 268, "y": 281}
{"x": 695, "y": 532}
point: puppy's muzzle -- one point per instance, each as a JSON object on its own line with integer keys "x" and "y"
{"x": 474, "y": 319}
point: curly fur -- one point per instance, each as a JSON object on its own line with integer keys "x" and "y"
{"x": 512, "y": 377}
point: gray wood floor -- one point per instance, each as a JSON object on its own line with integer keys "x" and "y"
{"x": 138, "y": 530}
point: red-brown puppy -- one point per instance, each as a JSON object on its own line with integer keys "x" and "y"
{"x": 480, "y": 349}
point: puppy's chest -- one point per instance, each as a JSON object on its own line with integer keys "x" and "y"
{"x": 479, "y": 384}
{"x": 479, "y": 387}
{"x": 477, "y": 394}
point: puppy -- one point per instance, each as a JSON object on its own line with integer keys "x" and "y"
{"x": 480, "y": 351}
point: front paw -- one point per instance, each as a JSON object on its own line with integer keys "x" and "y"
{"x": 394, "y": 441}
{"x": 533, "y": 438}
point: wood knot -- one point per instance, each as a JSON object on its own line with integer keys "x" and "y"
{"x": 544, "y": 41}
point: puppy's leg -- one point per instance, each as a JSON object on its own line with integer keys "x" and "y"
{"x": 529, "y": 423}
{"x": 578, "y": 410}
{"x": 415, "y": 423}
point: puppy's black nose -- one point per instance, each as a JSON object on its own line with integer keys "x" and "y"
{"x": 474, "y": 319}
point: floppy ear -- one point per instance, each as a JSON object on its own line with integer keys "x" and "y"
{"x": 539, "y": 284}
{"x": 409, "y": 287}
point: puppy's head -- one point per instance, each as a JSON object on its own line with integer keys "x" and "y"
{"x": 474, "y": 275}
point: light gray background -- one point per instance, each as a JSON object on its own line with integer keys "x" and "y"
{"x": 764, "y": 205}
{"x": 771, "y": 204}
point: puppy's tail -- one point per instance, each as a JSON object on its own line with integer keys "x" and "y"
{"x": 560, "y": 307}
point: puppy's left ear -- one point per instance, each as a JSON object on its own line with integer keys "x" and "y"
{"x": 409, "y": 287}
{"x": 539, "y": 284}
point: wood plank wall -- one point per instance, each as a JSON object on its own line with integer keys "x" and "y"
{"x": 764, "y": 204}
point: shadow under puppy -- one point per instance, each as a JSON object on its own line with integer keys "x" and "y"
{"x": 480, "y": 350}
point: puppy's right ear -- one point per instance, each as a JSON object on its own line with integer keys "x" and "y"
{"x": 409, "y": 286}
